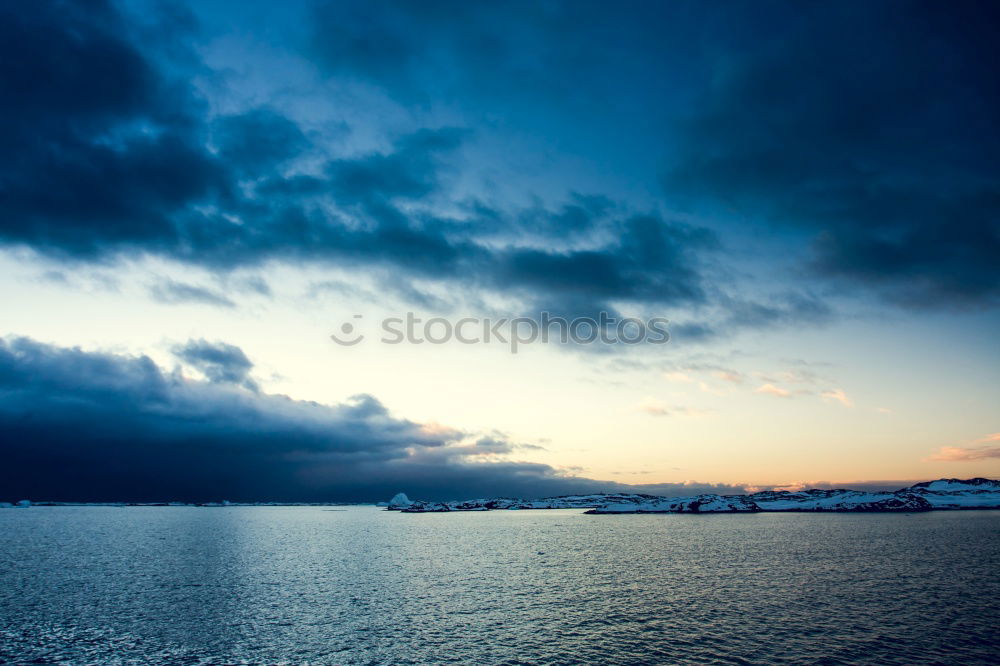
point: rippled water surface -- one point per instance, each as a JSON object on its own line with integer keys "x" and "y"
{"x": 361, "y": 585}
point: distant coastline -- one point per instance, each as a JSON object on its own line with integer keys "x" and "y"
{"x": 940, "y": 495}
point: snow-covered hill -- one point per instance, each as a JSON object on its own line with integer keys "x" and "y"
{"x": 941, "y": 494}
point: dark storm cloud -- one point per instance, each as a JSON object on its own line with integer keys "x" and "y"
{"x": 642, "y": 258}
{"x": 99, "y": 148}
{"x": 409, "y": 172}
{"x": 90, "y": 425}
{"x": 864, "y": 130}
{"x": 872, "y": 128}
{"x": 81, "y": 426}
{"x": 649, "y": 261}
{"x": 256, "y": 141}
{"x": 571, "y": 56}
{"x": 783, "y": 309}
{"x": 114, "y": 154}
{"x": 218, "y": 361}
{"x": 404, "y": 46}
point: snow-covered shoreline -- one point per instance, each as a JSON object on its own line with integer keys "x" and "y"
{"x": 943, "y": 494}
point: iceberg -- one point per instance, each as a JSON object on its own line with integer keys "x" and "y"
{"x": 399, "y": 501}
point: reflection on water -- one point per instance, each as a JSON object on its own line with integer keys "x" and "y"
{"x": 296, "y": 585}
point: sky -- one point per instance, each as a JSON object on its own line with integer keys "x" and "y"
{"x": 195, "y": 196}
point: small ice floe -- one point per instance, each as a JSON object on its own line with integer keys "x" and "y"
{"x": 23, "y": 504}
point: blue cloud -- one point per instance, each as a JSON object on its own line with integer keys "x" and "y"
{"x": 171, "y": 292}
{"x": 826, "y": 141}
{"x": 144, "y": 170}
{"x": 871, "y": 128}
{"x": 93, "y": 426}
{"x": 218, "y": 361}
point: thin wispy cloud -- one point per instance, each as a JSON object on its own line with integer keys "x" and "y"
{"x": 982, "y": 449}
{"x": 678, "y": 377}
{"x": 772, "y": 390}
{"x": 656, "y": 407}
{"x": 170, "y": 292}
{"x": 730, "y": 376}
{"x": 705, "y": 387}
{"x": 837, "y": 395}
{"x": 966, "y": 454}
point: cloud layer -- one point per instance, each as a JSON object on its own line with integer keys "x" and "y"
{"x": 860, "y": 131}
{"x": 869, "y": 127}
{"x": 92, "y": 426}
{"x": 141, "y": 167}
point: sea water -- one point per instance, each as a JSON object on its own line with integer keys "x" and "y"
{"x": 360, "y": 585}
